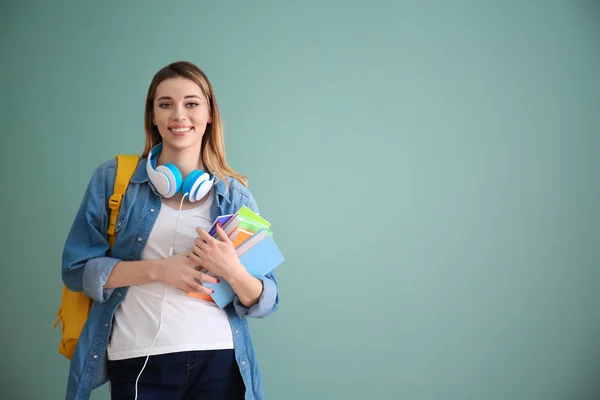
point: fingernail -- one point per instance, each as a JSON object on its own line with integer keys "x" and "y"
{"x": 218, "y": 280}
{"x": 219, "y": 224}
{"x": 212, "y": 291}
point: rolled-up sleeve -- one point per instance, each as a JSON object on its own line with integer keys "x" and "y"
{"x": 85, "y": 266}
{"x": 95, "y": 275}
{"x": 268, "y": 302}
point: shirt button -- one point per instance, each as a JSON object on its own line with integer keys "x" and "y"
{"x": 105, "y": 324}
{"x": 152, "y": 210}
{"x": 140, "y": 239}
{"x": 95, "y": 355}
{"x": 243, "y": 362}
{"x": 236, "y": 331}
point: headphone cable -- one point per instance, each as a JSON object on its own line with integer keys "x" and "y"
{"x": 163, "y": 300}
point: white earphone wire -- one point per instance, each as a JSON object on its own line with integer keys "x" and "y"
{"x": 163, "y": 301}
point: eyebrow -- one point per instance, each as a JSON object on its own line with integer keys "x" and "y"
{"x": 189, "y": 96}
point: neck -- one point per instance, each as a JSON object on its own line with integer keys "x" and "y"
{"x": 186, "y": 160}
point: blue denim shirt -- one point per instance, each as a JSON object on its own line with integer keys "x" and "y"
{"x": 86, "y": 267}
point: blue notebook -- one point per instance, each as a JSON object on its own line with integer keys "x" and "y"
{"x": 261, "y": 259}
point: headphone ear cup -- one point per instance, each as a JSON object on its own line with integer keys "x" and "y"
{"x": 159, "y": 179}
{"x": 197, "y": 185}
{"x": 173, "y": 178}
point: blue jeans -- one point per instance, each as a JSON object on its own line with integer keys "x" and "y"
{"x": 193, "y": 375}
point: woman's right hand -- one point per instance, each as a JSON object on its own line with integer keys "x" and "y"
{"x": 180, "y": 271}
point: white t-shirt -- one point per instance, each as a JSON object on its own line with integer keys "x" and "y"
{"x": 187, "y": 323}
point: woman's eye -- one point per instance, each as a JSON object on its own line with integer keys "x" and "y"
{"x": 192, "y": 104}
{"x": 164, "y": 105}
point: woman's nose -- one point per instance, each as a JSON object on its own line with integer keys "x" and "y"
{"x": 179, "y": 113}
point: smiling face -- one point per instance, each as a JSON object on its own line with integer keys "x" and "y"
{"x": 181, "y": 113}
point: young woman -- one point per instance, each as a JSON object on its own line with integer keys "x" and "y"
{"x": 145, "y": 334}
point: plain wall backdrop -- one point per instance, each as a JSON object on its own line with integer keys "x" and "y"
{"x": 430, "y": 169}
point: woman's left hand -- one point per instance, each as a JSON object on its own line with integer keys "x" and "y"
{"x": 217, "y": 256}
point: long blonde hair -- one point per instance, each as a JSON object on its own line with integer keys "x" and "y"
{"x": 213, "y": 143}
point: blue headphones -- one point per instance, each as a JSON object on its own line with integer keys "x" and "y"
{"x": 167, "y": 179}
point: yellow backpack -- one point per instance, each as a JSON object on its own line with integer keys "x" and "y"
{"x": 75, "y": 306}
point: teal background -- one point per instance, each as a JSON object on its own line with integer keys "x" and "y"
{"x": 430, "y": 170}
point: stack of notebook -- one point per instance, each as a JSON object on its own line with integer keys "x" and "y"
{"x": 253, "y": 240}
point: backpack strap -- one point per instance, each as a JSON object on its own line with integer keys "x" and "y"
{"x": 126, "y": 165}
{"x": 75, "y": 306}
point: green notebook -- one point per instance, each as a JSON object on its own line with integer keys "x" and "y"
{"x": 247, "y": 214}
